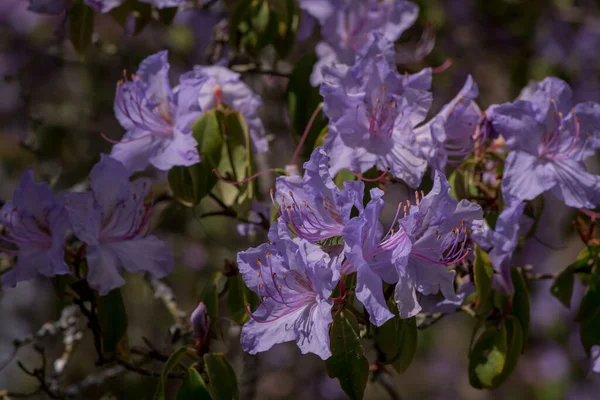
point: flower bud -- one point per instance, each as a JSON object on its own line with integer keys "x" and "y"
{"x": 201, "y": 327}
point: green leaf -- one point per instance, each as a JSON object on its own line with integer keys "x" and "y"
{"x": 589, "y": 331}
{"x": 458, "y": 187}
{"x": 343, "y": 176}
{"x": 484, "y": 272}
{"x": 171, "y": 363}
{"x": 222, "y": 379}
{"x": 288, "y": 21}
{"x": 397, "y": 342}
{"x": 236, "y": 162}
{"x": 590, "y": 304}
{"x": 112, "y": 317}
{"x": 191, "y": 184}
{"x": 193, "y": 387}
{"x": 347, "y": 362}
{"x": 488, "y": 358}
{"x": 562, "y": 288}
{"x": 81, "y": 27}
{"x": 260, "y": 16}
{"x": 515, "y": 342}
{"x": 237, "y": 299}
{"x": 520, "y": 302}
{"x": 210, "y": 298}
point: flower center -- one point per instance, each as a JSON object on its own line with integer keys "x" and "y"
{"x": 307, "y": 224}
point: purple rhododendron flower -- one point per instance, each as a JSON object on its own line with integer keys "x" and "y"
{"x": 34, "y": 222}
{"x": 452, "y": 134}
{"x": 293, "y": 279}
{"x": 223, "y": 86}
{"x": 114, "y": 221}
{"x": 103, "y": 6}
{"x": 347, "y": 24}
{"x": 158, "y": 119}
{"x": 374, "y": 258}
{"x": 549, "y": 141}
{"x": 503, "y": 241}
{"x": 438, "y": 227}
{"x": 372, "y": 111}
{"x": 414, "y": 253}
{"x": 50, "y": 7}
{"x": 313, "y": 206}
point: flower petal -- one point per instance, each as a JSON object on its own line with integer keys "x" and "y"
{"x": 526, "y": 176}
{"x": 575, "y": 186}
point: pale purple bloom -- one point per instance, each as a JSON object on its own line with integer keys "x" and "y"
{"x": 549, "y": 140}
{"x": 223, "y": 86}
{"x": 313, "y": 206}
{"x": 114, "y": 221}
{"x": 503, "y": 241}
{"x": 414, "y": 253}
{"x": 437, "y": 226}
{"x": 372, "y": 111}
{"x": 50, "y": 7}
{"x": 35, "y": 224}
{"x": 158, "y": 119}
{"x": 374, "y": 257}
{"x": 103, "y": 6}
{"x": 596, "y": 358}
{"x": 453, "y": 133}
{"x": 347, "y": 24}
{"x": 294, "y": 280}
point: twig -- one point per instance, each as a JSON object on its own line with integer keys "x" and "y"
{"x": 389, "y": 388}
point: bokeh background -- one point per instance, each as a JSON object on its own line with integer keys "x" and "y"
{"x": 53, "y": 107}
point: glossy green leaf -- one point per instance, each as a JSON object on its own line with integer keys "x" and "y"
{"x": 193, "y": 387}
{"x": 210, "y": 297}
{"x": 589, "y": 331}
{"x": 590, "y": 304}
{"x": 191, "y": 184}
{"x": 236, "y": 162}
{"x": 562, "y": 288}
{"x": 237, "y": 299}
{"x": 515, "y": 341}
{"x": 520, "y": 303}
{"x": 260, "y": 16}
{"x": 112, "y": 317}
{"x": 488, "y": 358}
{"x": 81, "y": 27}
{"x": 222, "y": 379}
{"x": 395, "y": 338}
{"x": 171, "y": 363}
{"x": 347, "y": 362}
{"x": 484, "y": 272}
{"x": 288, "y": 21}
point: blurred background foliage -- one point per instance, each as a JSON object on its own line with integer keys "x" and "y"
{"x": 54, "y": 105}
